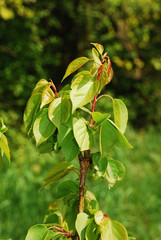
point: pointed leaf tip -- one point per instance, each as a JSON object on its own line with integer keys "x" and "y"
{"x": 99, "y": 47}
{"x": 74, "y": 65}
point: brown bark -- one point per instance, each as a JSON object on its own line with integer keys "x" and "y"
{"x": 84, "y": 162}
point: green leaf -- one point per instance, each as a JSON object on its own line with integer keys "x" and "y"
{"x": 68, "y": 143}
{"x": 122, "y": 141}
{"x": 4, "y": 149}
{"x": 131, "y": 236}
{"x": 96, "y": 157}
{"x": 91, "y": 231}
{"x": 81, "y": 223}
{"x": 43, "y": 128}
{"x": 82, "y": 134}
{"x": 1, "y": 159}
{"x": 98, "y": 217}
{"x": 59, "y": 171}
{"x": 86, "y": 110}
{"x": 90, "y": 196}
{"x": 115, "y": 172}
{"x": 53, "y": 235}
{"x": 99, "y": 47}
{"x": 112, "y": 230}
{"x": 94, "y": 69}
{"x": 74, "y": 65}
{"x": 92, "y": 203}
{"x": 33, "y": 105}
{"x": 47, "y": 96}
{"x": 59, "y": 111}
{"x": 66, "y": 188}
{"x": 96, "y": 56}
{"x": 83, "y": 90}
{"x": 100, "y": 164}
{"x": 111, "y": 136}
{"x": 37, "y": 232}
{"x": 40, "y": 86}
{"x": 120, "y": 114}
{"x": 47, "y": 146}
{"x": 105, "y": 77}
{"x": 99, "y": 118}
{"x": 3, "y": 128}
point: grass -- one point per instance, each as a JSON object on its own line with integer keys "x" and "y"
{"x": 135, "y": 201}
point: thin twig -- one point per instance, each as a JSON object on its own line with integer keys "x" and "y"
{"x": 68, "y": 234}
{"x": 104, "y": 95}
{"x": 73, "y": 170}
{"x": 53, "y": 85}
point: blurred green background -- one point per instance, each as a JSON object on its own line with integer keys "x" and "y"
{"x": 38, "y": 39}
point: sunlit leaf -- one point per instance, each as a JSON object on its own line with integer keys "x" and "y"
{"x": 82, "y": 134}
{"x": 43, "y": 128}
{"x": 115, "y": 172}
{"x": 96, "y": 56}
{"x": 94, "y": 68}
{"x": 47, "y": 96}
{"x": 99, "y": 47}
{"x": 106, "y": 75}
{"x": 120, "y": 114}
{"x": 91, "y": 202}
{"x": 98, "y": 217}
{"x": 4, "y": 149}
{"x": 83, "y": 90}
{"x": 74, "y": 65}
{"x": 37, "y": 232}
{"x": 81, "y": 223}
{"x": 59, "y": 111}
{"x": 40, "y": 86}
{"x": 33, "y": 105}
{"x": 112, "y": 230}
{"x": 3, "y": 128}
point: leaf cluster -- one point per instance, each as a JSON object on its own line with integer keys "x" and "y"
{"x": 54, "y": 119}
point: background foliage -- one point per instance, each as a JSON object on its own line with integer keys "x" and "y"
{"x": 38, "y": 39}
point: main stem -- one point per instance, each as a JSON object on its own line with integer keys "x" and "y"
{"x": 84, "y": 162}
